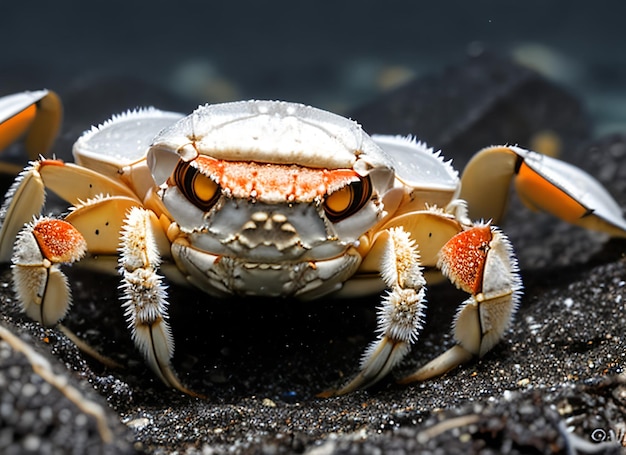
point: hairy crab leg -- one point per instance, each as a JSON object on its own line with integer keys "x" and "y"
{"x": 399, "y": 316}
{"x": 145, "y": 295}
{"x": 479, "y": 261}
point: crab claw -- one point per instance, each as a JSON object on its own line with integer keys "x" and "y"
{"x": 543, "y": 183}
{"x": 479, "y": 261}
{"x": 39, "y": 283}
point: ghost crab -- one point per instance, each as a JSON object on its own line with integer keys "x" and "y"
{"x": 281, "y": 199}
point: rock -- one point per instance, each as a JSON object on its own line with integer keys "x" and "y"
{"x": 46, "y": 409}
{"x": 483, "y": 101}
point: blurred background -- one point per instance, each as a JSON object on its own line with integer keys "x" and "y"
{"x": 333, "y": 54}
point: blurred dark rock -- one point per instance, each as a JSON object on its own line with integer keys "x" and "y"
{"x": 486, "y": 100}
{"x": 44, "y": 417}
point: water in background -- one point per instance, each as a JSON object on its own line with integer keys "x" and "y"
{"x": 331, "y": 54}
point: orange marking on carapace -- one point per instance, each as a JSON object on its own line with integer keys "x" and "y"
{"x": 59, "y": 240}
{"x": 274, "y": 182}
{"x": 464, "y": 256}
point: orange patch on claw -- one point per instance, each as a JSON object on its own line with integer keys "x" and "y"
{"x": 463, "y": 258}
{"x": 59, "y": 240}
{"x": 274, "y": 182}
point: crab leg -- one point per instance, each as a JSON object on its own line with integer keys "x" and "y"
{"x": 145, "y": 295}
{"x": 543, "y": 183}
{"x": 26, "y": 196}
{"x": 399, "y": 316}
{"x": 479, "y": 261}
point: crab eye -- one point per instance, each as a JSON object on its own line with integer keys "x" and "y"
{"x": 200, "y": 190}
{"x": 348, "y": 200}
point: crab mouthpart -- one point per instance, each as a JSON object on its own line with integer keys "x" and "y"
{"x": 268, "y": 229}
{"x": 228, "y": 275}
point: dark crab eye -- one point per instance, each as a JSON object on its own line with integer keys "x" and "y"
{"x": 200, "y": 190}
{"x": 348, "y": 200}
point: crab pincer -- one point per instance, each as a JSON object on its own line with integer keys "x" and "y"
{"x": 40, "y": 285}
{"x": 479, "y": 261}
